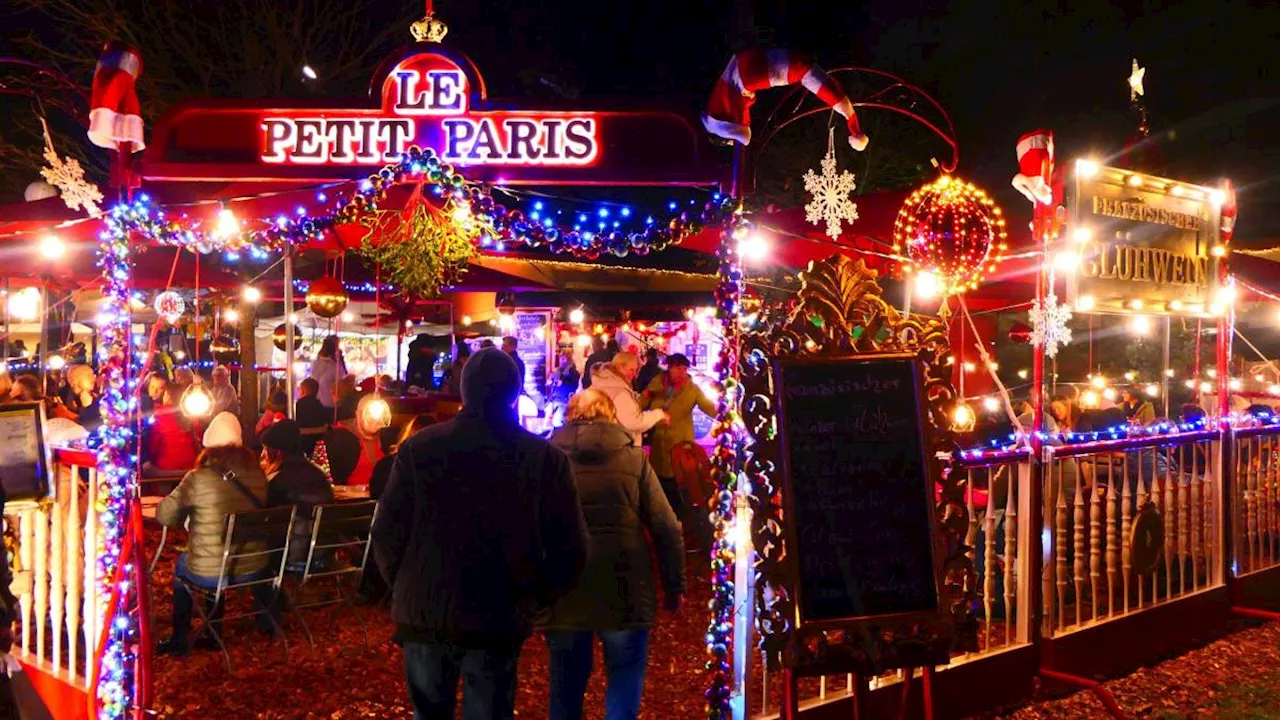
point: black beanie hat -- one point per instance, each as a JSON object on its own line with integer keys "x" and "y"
{"x": 283, "y": 435}
{"x": 490, "y": 379}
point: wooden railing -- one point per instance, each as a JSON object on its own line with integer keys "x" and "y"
{"x": 1099, "y": 495}
{"x": 52, "y": 581}
{"x": 1255, "y": 500}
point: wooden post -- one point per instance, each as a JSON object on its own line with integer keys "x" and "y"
{"x": 248, "y": 359}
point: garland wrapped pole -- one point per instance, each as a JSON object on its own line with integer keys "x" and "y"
{"x": 730, "y": 545}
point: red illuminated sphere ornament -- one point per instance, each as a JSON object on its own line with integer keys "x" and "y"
{"x": 952, "y": 229}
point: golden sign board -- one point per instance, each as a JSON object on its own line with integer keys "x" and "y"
{"x": 1147, "y": 245}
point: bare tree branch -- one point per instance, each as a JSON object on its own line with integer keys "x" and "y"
{"x": 208, "y": 48}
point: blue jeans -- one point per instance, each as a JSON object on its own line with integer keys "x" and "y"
{"x": 264, "y": 596}
{"x": 488, "y": 681}
{"x": 626, "y": 654}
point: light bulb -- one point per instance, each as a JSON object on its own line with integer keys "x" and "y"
{"x": 1169, "y": 372}
{"x": 25, "y": 304}
{"x": 1109, "y": 393}
{"x": 1098, "y": 381}
{"x": 1066, "y": 261}
{"x": 576, "y": 316}
{"x": 57, "y": 362}
{"x": 963, "y": 418}
{"x": 753, "y": 248}
{"x": 584, "y": 340}
{"x": 376, "y": 414}
{"x": 1089, "y": 399}
{"x": 990, "y": 404}
{"x": 1274, "y": 390}
{"x": 52, "y": 247}
{"x": 230, "y": 315}
{"x": 466, "y": 320}
{"x": 1131, "y": 376}
{"x": 1206, "y": 387}
{"x": 227, "y": 224}
{"x": 196, "y": 401}
{"x": 1153, "y": 390}
{"x": 1235, "y": 384}
{"x": 926, "y": 285}
{"x": 1022, "y": 374}
{"x": 1140, "y": 325}
{"x": 1082, "y": 235}
{"x": 251, "y": 294}
{"x": 1085, "y": 303}
{"x": 348, "y": 316}
{"x": 1087, "y": 168}
{"x": 309, "y": 72}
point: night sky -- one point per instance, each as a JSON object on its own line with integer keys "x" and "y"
{"x": 999, "y": 67}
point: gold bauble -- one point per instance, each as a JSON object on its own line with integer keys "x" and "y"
{"x": 278, "y": 337}
{"x": 327, "y": 298}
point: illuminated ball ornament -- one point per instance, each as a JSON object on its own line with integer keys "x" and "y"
{"x": 169, "y": 306}
{"x": 963, "y": 418}
{"x": 225, "y": 349}
{"x": 953, "y": 230}
{"x": 327, "y": 298}
{"x": 278, "y": 337}
{"x": 374, "y": 413}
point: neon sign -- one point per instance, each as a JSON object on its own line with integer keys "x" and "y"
{"x": 426, "y": 101}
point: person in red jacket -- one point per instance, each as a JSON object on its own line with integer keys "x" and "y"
{"x": 171, "y": 444}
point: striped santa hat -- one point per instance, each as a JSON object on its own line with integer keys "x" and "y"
{"x": 728, "y": 113}
{"x": 115, "y": 116}
{"x": 1035, "y": 164}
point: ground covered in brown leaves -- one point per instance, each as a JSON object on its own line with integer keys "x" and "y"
{"x": 340, "y": 679}
{"x": 1236, "y": 677}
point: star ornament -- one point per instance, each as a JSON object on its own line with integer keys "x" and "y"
{"x": 1135, "y": 81}
{"x": 830, "y": 191}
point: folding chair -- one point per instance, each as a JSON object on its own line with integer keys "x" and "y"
{"x": 340, "y": 540}
{"x": 249, "y": 536}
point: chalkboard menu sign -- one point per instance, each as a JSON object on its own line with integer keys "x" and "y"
{"x": 859, "y": 496}
{"x": 24, "y": 467}
{"x": 531, "y": 346}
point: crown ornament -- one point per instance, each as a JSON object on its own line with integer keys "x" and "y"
{"x": 429, "y": 29}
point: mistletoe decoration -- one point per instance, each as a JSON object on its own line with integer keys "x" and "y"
{"x": 422, "y": 250}
{"x": 830, "y": 190}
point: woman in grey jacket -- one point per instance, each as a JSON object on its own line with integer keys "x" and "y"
{"x": 615, "y": 599}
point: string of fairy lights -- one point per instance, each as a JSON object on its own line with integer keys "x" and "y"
{"x": 588, "y": 237}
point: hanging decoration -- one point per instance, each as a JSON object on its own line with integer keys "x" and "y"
{"x": 728, "y": 113}
{"x": 1227, "y": 228}
{"x": 424, "y": 250}
{"x": 1050, "y": 324}
{"x": 830, "y": 190}
{"x": 170, "y": 306}
{"x": 327, "y": 298}
{"x": 225, "y": 349}
{"x": 952, "y": 230}
{"x": 115, "y": 115}
{"x": 279, "y": 337}
{"x": 320, "y": 458}
{"x": 1035, "y": 159}
{"x": 1020, "y": 333}
{"x": 67, "y": 176}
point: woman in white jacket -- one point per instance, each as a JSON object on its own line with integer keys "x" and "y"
{"x": 614, "y": 379}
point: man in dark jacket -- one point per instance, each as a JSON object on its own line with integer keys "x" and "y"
{"x": 479, "y": 530}
{"x": 601, "y": 353}
{"x": 293, "y": 480}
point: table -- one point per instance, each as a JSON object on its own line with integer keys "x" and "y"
{"x": 347, "y": 493}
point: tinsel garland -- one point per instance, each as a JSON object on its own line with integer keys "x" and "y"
{"x": 507, "y": 228}
{"x": 724, "y": 472}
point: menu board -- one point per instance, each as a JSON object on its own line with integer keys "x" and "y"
{"x": 24, "y": 470}
{"x": 858, "y": 492}
{"x": 531, "y": 346}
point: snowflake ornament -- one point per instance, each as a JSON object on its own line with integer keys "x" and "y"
{"x": 1049, "y": 324}
{"x": 830, "y": 191}
{"x": 68, "y": 177}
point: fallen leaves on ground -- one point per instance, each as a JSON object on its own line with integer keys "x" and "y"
{"x": 1236, "y": 676}
{"x": 340, "y": 680}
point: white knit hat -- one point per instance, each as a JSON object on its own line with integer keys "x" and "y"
{"x": 224, "y": 431}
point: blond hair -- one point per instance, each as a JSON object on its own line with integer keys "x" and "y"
{"x": 624, "y": 360}
{"x": 591, "y": 405}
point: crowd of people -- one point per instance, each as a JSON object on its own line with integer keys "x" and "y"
{"x": 485, "y": 534}
{"x": 577, "y": 515}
